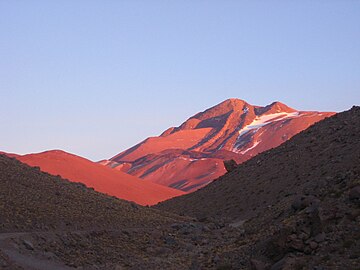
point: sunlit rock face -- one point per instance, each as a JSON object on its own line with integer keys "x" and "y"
{"x": 190, "y": 156}
{"x": 101, "y": 178}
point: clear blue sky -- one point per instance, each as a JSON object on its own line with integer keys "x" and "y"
{"x": 96, "y": 77}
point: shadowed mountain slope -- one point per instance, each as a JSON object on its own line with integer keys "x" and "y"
{"x": 31, "y": 200}
{"x": 50, "y": 223}
{"x": 296, "y": 204}
{"x": 190, "y": 156}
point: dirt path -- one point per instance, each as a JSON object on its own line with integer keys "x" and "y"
{"x": 23, "y": 255}
{"x": 26, "y": 260}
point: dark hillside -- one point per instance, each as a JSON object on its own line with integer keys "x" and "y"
{"x": 31, "y": 200}
{"x": 297, "y": 204}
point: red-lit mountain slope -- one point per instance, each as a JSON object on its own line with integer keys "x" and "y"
{"x": 102, "y": 179}
{"x": 190, "y": 156}
{"x": 12, "y": 155}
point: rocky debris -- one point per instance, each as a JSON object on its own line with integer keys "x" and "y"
{"x": 258, "y": 265}
{"x": 170, "y": 240}
{"x": 4, "y": 260}
{"x": 298, "y": 233}
{"x": 354, "y": 193}
{"x": 301, "y": 202}
{"x": 28, "y": 245}
{"x": 289, "y": 263}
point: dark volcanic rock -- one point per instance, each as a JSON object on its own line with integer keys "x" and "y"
{"x": 288, "y": 263}
{"x": 28, "y": 245}
{"x": 354, "y": 193}
{"x": 230, "y": 165}
{"x": 300, "y": 199}
{"x": 258, "y": 265}
{"x": 301, "y": 202}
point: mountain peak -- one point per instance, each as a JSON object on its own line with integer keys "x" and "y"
{"x": 231, "y": 103}
{"x": 234, "y": 101}
{"x": 280, "y": 107}
{"x": 232, "y": 129}
{"x": 55, "y": 151}
{"x": 240, "y": 105}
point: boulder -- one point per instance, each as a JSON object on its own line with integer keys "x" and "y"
{"x": 288, "y": 263}
{"x": 301, "y": 202}
{"x": 28, "y": 245}
{"x": 230, "y": 165}
{"x": 354, "y": 194}
{"x": 258, "y": 265}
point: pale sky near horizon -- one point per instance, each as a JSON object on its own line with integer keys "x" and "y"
{"x": 96, "y": 77}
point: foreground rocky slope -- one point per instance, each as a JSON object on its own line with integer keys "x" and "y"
{"x": 102, "y": 179}
{"x": 298, "y": 203}
{"x": 31, "y": 200}
{"x": 191, "y": 156}
{"x": 47, "y": 222}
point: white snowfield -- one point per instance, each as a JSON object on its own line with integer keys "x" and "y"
{"x": 248, "y": 149}
{"x": 260, "y": 122}
{"x": 265, "y": 120}
{"x": 187, "y": 159}
{"x": 191, "y": 159}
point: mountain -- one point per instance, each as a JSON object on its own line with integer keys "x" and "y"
{"x": 296, "y": 203}
{"x": 292, "y": 207}
{"x": 190, "y": 156}
{"x": 101, "y": 178}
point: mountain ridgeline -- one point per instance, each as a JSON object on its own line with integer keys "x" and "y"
{"x": 190, "y": 156}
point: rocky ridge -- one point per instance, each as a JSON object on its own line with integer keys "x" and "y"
{"x": 190, "y": 156}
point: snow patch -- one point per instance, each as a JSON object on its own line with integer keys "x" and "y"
{"x": 265, "y": 120}
{"x": 259, "y": 122}
{"x": 191, "y": 159}
{"x": 252, "y": 147}
{"x": 221, "y": 146}
{"x": 188, "y": 159}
